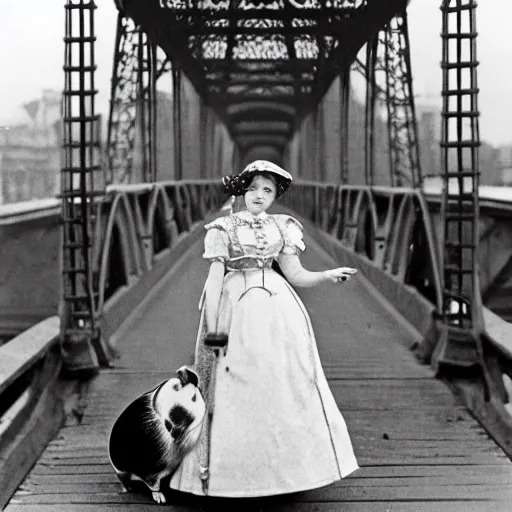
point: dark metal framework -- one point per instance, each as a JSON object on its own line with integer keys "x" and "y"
{"x": 459, "y": 145}
{"x": 402, "y": 125}
{"x": 262, "y": 55}
{"x": 133, "y": 103}
{"x": 389, "y": 82}
{"x": 344, "y": 120}
{"x": 370, "y": 104}
{"x": 81, "y": 184}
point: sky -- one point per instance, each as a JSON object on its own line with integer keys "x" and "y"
{"x": 31, "y": 56}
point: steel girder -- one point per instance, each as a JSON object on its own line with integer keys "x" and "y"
{"x": 81, "y": 184}
{"x": 274, "y": 51}
{"x": 344, "y": 124}
{"x": 402, "y": 124}
{"x": 459, "y": 148}
{"x": 462, "y": 333}
{"x": 133, "y": 100}
{"x": 389, "y": 83}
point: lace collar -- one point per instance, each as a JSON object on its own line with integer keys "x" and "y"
{"x": 245, "y": 216}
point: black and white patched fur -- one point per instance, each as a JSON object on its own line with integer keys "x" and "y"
{"x": 151, "y": 436}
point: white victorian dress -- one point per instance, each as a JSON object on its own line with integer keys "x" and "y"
{"x": 275, "y": 426}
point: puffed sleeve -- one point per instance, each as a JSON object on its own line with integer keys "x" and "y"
{"x": 216, "y": 242}
{"x": 292, "y": 233}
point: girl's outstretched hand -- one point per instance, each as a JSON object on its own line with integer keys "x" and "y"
{"x": 340, "y": 275}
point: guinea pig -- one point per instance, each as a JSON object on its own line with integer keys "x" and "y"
{"x": 151, "y": 436}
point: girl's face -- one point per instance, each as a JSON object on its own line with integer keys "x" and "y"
{"x": 260, "y": 194}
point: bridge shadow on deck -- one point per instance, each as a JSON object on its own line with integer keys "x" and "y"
{"x": 419, "y": 450}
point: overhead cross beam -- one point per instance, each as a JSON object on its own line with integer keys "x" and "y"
{"x": 236, "y": 51}
{"x": 261, "y": 127}
{"x": 278, "y": 141}
{"x": 244, "y": 52}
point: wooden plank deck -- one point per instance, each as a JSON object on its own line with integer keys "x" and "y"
{"x": 418, "y": 449}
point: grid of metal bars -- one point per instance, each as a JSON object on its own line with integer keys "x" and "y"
{"x": 459, "y": 147}
{"x": 402, "y": 124}
{"x": 234, "y": 52}
{"x": 388, "y": 74}
{"x": 133, "y": 106}
{"x": 146, "y": 105}
{"x": 81, "y": 184}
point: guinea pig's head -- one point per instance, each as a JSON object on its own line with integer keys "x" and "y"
{"x": 180, "y": 404}
{"x": 187, "y": 376}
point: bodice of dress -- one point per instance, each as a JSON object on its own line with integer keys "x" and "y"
{"x": 244, "y": 241}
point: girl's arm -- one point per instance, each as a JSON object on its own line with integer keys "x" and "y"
{"x": 297, "y": 275}
{"x": 213, "y": 292}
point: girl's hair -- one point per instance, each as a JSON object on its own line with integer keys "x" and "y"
{"x": 238, "y": 184}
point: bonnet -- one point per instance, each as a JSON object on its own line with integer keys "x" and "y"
{"x": 236, "y": 185}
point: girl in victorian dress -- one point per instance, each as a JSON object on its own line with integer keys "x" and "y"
{"x": 275, "y": 426}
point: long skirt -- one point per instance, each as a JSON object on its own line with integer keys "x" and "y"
{"x": 275, "y": 425}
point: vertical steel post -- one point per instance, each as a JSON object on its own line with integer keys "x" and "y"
{"x": 133, "y": 101}
{"x": 459, "y": 149}
{"x": 81, "y": 184}
{"x": 176, "y": 105}
{"x": 401, "y": 111}
{"x": 344, "y": 124}
{"x": 461, "y": 343}
{"x": 371, "y": 92}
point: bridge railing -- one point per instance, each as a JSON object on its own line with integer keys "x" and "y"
{"x": 388, "y": 231}
{"x": 391, "y": 235}
{"x": 139, "y": 231}
{"x": 137, "y": 225}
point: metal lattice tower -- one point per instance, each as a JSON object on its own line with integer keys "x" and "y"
{"x": 402, "y": 125}
{"x": 81, "y": 184}
{"x": 258, "y": 63}
{"x": 459, "y": 146}
{"x": 133, "y": 103}
{"x": 389, "y": 83}
{"x": 146, "y": 105}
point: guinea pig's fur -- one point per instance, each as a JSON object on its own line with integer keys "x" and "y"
{"x": 150, "y": 437}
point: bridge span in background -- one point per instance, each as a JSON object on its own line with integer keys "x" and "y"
{"x": 100, "y": 286}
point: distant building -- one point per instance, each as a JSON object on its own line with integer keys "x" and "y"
{"x": 429, "y": 134}
{"x": 505, "y": 164}
{"x": 30, "y": 151}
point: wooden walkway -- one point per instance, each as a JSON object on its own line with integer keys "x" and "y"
{"x": 418, "y": 449}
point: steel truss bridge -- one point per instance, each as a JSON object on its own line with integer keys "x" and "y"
{"x": 417, "y": 350}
